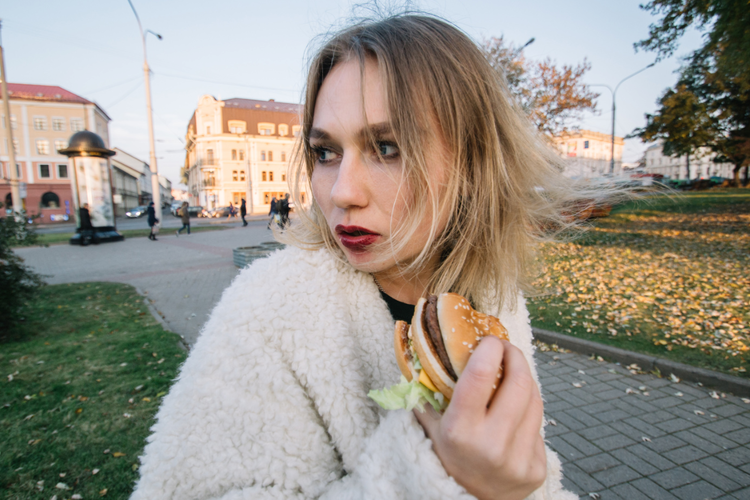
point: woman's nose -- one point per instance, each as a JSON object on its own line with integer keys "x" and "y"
{"x": 350, "y": 189}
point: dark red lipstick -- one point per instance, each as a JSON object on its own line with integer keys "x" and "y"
{"x": 356, "y": 238}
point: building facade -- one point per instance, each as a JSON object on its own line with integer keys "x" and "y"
{"x": 240, "y": 149}
{"x": 589, "y": 154}
{"x": 43, "y": 117}
{"x": 702, "y": 165}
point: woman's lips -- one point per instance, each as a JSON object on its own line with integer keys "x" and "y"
{"x": 356, "y": 238}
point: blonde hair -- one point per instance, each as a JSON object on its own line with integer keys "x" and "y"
{"x": 504, "y": 191}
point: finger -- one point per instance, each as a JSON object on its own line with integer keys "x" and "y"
{"x": 517, "y": 388}
{"x": 429, "y": 419}
{"x": 475, "y": 385}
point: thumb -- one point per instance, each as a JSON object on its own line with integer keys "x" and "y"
{"x": 429, "y": 419}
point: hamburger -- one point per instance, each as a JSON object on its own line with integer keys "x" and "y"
{"x": 433, "y": 351}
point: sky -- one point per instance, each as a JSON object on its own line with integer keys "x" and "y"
{"x": 258, "y": 50}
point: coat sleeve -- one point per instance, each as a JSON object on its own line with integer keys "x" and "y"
{"x": 237, "y": 424}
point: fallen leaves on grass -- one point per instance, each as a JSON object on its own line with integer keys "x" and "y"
{"x": 678, "y": 279}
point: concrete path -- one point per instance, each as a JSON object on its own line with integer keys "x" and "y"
{"x": 620, "y": 435}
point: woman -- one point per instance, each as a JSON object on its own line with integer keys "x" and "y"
{"x": 425, "y": 178}
{"x": 152, "y": 221}
{"x": 184, "y": 218}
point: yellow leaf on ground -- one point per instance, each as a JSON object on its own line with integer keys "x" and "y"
{"x": 118, "y": 454}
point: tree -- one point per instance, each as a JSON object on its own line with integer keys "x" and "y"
{"x": 717, "y": 74}
{"x": 683, "y": 123}
{"x": 727, "y": 37}
{"x": 553, "y": 97}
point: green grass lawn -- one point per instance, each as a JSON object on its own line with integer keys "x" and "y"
{"x": 667, "y": 275}
{"x": 60, "y": 238}
{"x": 81, "y": 384}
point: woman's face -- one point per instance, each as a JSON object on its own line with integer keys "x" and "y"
{"x": 363, "y": 192}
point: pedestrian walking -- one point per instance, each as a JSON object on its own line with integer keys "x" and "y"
{"x": 185, "y": 218}
{"x": 243, "y": 212}
{"x": 152, "y": 222}
{"x": 284, "y": 210}
{"x": 231, "y": 211}
{"x": 274, "y": 212}
{"x": 426, "y": 178}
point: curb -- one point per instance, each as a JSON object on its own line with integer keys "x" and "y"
{"x": 162, "y": 320}
{"x": 709, "y": 378}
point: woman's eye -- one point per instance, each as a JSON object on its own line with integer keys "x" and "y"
{"x": 387, "y": 150}
{"x": 324, "y": 155}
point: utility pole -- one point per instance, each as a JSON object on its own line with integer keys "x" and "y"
{"x": 155, "y": 185}
{"x": 614, "y": 93}
{"x": 15, "y": 193}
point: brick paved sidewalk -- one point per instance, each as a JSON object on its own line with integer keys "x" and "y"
{"x": 631, "y": 437}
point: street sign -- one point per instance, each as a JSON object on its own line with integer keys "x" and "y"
{"x": 22, "y": 190}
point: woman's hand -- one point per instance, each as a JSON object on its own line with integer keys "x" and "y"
{"x": 495, "y": 452}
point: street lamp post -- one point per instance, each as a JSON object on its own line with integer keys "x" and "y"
{"x": 155, "y": 185}
{"x": 614, "y": 93}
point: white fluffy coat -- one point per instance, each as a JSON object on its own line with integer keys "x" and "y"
{"x": 272, "y": 401}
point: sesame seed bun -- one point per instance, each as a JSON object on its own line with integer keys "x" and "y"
{"x": 463, "y": 328}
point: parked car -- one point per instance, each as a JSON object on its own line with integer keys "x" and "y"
{"x": 136, "y": 212}
{"x": 196, "y": 211}
{"x": 219, "y": 212}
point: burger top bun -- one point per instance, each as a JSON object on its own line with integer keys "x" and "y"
{"x": 462, "y": 328}
{"x": 401, "y": 346}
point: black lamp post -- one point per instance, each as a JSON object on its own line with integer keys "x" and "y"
{"x": 92, "y": 189}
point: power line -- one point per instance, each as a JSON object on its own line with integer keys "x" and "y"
{"x": 112, "y": 86}
{"x": 223, "y": 83}
{"x": 126, "y": 94}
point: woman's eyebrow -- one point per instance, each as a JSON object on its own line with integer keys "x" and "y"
{"x": 376, "y": 130}
{"x": 316, "y": 133}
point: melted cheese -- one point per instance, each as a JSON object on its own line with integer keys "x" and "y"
{"x": 425, "y": 380}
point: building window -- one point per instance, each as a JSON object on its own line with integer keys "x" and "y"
{"x": 42, "y": 147}
{"x": 270, "y": 156}
{"x": 266, "y": 128}
{"x": 242, "y": 154}
{"x": 60, "y": 144}
{"x": 209, "y": 157}
{"x": 58, "y": 124}
{"x": 237, "y": 197}
{"x": 50, "y": 200}
{"x": 263, "y": 176}
{"x": 242, "y": 175}
{"x": 40, "y": 123}
{"x": 585, "y": 144}
{"x": 266, "y": 198}
{"x": 15, "y": 146}
{"x": 44, "y": 171}
{"x": 234, "y": 154}
{"x": 234, "y": 175}
{"x": 62, "y": 171}
{"x": 262, "y": 156}
{"x": 283, "y": 177}
{"x": 283, "y": 129}
{"x": 13, "y": 123}
{"x": 237, "y": 126}
{"x": 270, "y": 176}
{"x": 208, "y": 129}
{"x": 295, "y": 130}
{"x": 76, "y": 124}
{"x": 283, "y": 156}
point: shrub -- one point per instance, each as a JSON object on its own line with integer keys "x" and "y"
{"x": 18, "y": 283}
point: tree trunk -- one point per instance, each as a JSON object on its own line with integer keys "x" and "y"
{"x": 736, "y": 171}
{"x": 688, "y": 166}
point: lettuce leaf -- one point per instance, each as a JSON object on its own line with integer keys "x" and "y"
{"x": 406, "y": 395}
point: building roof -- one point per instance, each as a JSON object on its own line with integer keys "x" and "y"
{"x": 43, "y": 93}
{"x": 283, "y": 107}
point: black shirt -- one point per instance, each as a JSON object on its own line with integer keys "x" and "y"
{"x": 399, "y": 310}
